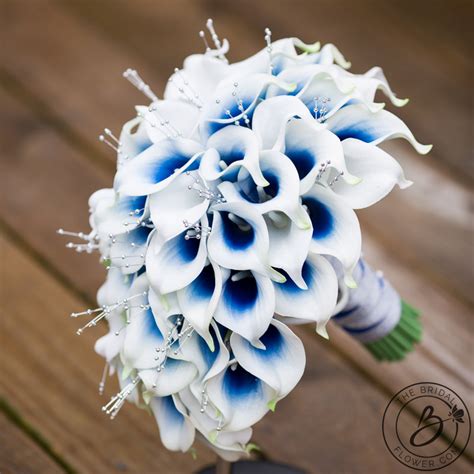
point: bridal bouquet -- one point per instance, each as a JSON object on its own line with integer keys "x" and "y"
{"x": 230, "y": 219}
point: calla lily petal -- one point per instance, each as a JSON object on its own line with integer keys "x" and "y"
{"x": 283, "y": 53}
{"x": 120, "y": 215}
{"x": 289, "y": 258}
{"x": 323, "y": 89}
{"x": 378, "y": 170}
{"x": 357, "y": 121}
{"x": 176, "y": 204}
{"x": 316, "y": 303}
{"x": 330, "y": 54}
{"x": 165, "y": 309}
{"x": 236, "y": 147}
{"x": 165, "y": 119}
{"x": 336, "y": 229}
{"x": 174, "y": 264}
{"x": 210, "y": 359}
{"x": 228, "y": 443}
{"x": 281, "y": 194}
{"x": 127, "y": 251}
{"x": 199, "y": 299}
{"x": 367, "y": 85}
{"x": 246, "y": 305}
{"x": 280, "y": 365}
{"x": 158, "y": 166}
{"x": 176, "y": 431}
{"x": 172, "y": 377}
{"x": 313, "y": 152}
{"x": 133, "y": 140}
{"x": 115, "y": 289}
{"x": 197, "y": 81}
{"x": 234, "y": 102}
{"x": 239, "y": 239}
{"x": 241, "y": 397}
{"x": 142, "y": 335}
{"x": 271, "y": 117}
{"x": 236, "y": 449}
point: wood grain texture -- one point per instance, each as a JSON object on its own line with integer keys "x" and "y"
{"x": 437, "y": 82}
{"x": 36, "y": 354}
{"x": 75, "y": 180}
{"x": 19, "y": 454}
{"x": 66, "y": 406}
{"x": 61, "y": 86}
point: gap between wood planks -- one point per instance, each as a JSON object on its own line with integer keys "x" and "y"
{"x": 23, "y": 449}
{"x": 81, "y": 152}
{"x": 420, "y": 216}
{"x": 66, "y": 407}
{"x": 62, "y": 152}
{"x": 82, "y": 99}
{"x": 401, "y": 251}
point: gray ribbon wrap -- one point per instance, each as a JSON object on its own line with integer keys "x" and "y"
{"x": 370, "y": 311}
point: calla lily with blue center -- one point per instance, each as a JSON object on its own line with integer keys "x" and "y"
{"x": 234, "y": 196}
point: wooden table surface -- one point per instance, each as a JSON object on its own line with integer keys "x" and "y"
{"x": 60, "y": 85}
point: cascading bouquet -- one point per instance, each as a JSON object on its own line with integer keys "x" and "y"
{"x": 231, "y": 218}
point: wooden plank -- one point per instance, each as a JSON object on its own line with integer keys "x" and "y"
{"x": 27, "y": 166}
{"x": 46, "y": 185}
{"x": 432, "y": 360}
{"x": 24, "y": 161}
{"x": 38, "y": 146}
{"x": 430, "y": 42}
{"x": 76, "y": 75}
{"x": 59, "y": 373}
{"x": 19, "y": 454}
{"x": 425, "y": 206}
{"x": 432, "y": 69}
{"x": 78, "y": 402}
{"x": 62, "y": 368}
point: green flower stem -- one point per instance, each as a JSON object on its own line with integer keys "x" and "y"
{"x": 401, "y": 340}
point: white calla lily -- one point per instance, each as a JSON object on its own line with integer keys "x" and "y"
{"x": 336, "y": 229}
{"x": 120, "y": 214}
{"x": 280, "y": 195}
{"x": 229, "y": 149}
{"x": 240, "y": 396}
{"x": 313, "y": 152}
{"x": 239, "y": 239}
{"x": 170, "y": 377}
{"x": 369, "y": 83}
{"x": 209, "y": 359}
{"x": 157, "y": 166}
{"x": 323, "y": 89}
{"x": 280, "y": 364}
{"x": 379, "y": 172}
{"x": 230, "y": 444}
{"x": 174, "y": 264}
{"x": 271, "y": 117}
{"x": 134, "y": 139}
{"x": 197, "y": 80}
{"x": 199, "y": 299}
{"x": 234, "y": 102}
{"x": 282, "y": 230}
{"x": 246, "y": 305}
{"x": 127, "y": 251}
{"x": 176, "y": 431}
{"x": 165, "y": 119}
{"x": 357, "y": 121}
{"x": 315, "y": 303}
{"x": 176, "y": 204}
